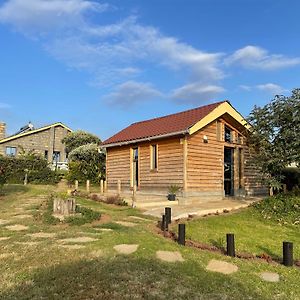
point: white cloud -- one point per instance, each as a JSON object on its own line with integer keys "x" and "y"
{"x": 42, "y": 16}
{"x": 5, "y": 105}
{"x": 245, "y": 87}
{"x": 253, "y": 57}
{"x": 271, "y": 88}
{"x": 197, "y": 92}
{"x": 132, "y": 92}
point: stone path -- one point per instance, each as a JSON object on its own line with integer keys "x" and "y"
{"x": 17, "y": 227}
{"x": 82, "y": 239}
{"x": 4, "y": 238}
{"x": 269, "y": 276}
{"x": 103, "y": 229}
{"x": 3, "y": 222}
{"x": 126, "y": 248}
{"x": 221, "y": 267}
{"x": 126, "y": 224}
{"x": 42, "y": 235}
{"x": 169, "y": 256}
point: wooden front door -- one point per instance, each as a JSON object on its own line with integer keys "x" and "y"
{"x": 229, "y": 171}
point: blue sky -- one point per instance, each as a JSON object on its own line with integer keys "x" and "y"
{"x": 99, "y": 66}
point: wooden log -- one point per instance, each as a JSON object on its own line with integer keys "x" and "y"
{"x": 88, "y": 186}
{"x": 76, "y": 185}
{"x": 101, "y": 186}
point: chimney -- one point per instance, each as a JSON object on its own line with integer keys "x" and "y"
{"x": 2, "y": 130}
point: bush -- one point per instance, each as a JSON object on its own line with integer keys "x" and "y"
{"x": 13, "y": 169}
{"x": 291, "y": 178}
{"x": 282, "y": 208}
{"x": 87, "y": 216}
{"x": 116, "y": 200}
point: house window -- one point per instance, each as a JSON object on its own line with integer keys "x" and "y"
{"x": 11, "y": 151}
{"x": 154, "y": 157}
{"x": 46, "y": 154}
{"x": 56, "y": 156}
{"x": 228, "y": 135}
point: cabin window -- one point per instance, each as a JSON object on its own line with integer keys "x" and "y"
{"x": 154, "y": 157}
{"x": 228, "y": 135}
{"x": 56, "y": 156}
{"x": 46, "y": 154}
{"x": 11, "y": 151}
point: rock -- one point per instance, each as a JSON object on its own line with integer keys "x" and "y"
{"x": 126, "y": 248}
{"x": 269, "y": 276}
{"x": 221, "y": 267}
{"x": 169, "y": 256}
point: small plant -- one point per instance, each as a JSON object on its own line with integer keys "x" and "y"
{"x": 116, "y": 200}
{"x": 173, "y": 190}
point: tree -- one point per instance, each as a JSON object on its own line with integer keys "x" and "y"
{"x": 79, "y": 138}
{"x": 274, "y": 138}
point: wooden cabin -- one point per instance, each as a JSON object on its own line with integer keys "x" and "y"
{"x": 203, "y": 151}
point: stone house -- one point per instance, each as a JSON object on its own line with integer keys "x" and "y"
{"x": 203, "y": 151}
{"x": 45, "y": 141}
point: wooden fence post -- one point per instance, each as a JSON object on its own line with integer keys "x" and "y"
{"x": 105, "y": 186}
{"x": 88, "y": 186}
{"x": 101, "y": 186}
{"x": 119, "y": 187}
{"x": 230, "y": 244}
{"x": 287, "y": 248}
{"x": 168, "y": 213}
{"x": 181, "y": 234}
{"x": 76, "y": 185}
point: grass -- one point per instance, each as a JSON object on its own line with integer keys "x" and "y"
{"x": 48, "y": 271}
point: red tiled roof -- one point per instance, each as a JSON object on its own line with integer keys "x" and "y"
{"x": 174, "y": 123}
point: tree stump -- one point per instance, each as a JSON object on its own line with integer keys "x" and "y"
{"x": 64, "y": 207}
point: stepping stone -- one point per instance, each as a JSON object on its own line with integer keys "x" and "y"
{"x": 42, "y": 235}
{"x": 221, "y": 267}
{"x": 83, "y": 239}
{"x": 3, "y": 222}
{"x": 22, "y": 216}
{"x": 169, "y": 256}
{"x": 27, "y": 243}
{"x": 269, "y": 276}
{"x": 126, "y": 224}
{"x": 126, "y": 248}
{"x": 4, "y": 238}
{"x": 5, "y": 255}
{"x": 16, "y": 227}
{"x": 73, "y": 247}
{"x": 138, "y": 218}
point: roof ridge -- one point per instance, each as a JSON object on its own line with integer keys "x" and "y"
{"x": 180, "y": 112}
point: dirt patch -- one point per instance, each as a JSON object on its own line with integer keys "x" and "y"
{"x": 4, "y": 238}
{"x": 42, "y": 235}
{"x": 22, "y": 216}
{"x": 169, "y": 256}
{"x": 73, "y": 247}
{"x": 221, "y": 267}
{"x": 126, "y": 248}
{"x": 82, "y": 239}
{"x": 126, "y": 224}
{"x": 17, "y": 227}
{"x": 103, "y": 220}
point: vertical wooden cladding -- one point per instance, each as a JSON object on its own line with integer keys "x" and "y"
{"x": 169, "y": 165}
{"x": 205, "y": 160}
{"x": 118, "y": 167}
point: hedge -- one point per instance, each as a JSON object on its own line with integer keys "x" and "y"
{"x": 13, "y": 170}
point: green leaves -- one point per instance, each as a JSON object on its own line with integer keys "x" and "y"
{"x": 275, "y": 136}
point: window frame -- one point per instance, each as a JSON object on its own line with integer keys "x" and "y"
{"x": 231, "y": 134}
{"x": 154, "y": 157}
{"x": 11, "y": 154}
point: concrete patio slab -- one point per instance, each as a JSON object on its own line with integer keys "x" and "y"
{"x": 201, "y": 208}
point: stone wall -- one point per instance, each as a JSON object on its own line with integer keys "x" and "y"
{"x": 46, "y": 140}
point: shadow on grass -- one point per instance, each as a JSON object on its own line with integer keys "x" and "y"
{"x": 12, "y": 189}
{"x": 129, "y": 278}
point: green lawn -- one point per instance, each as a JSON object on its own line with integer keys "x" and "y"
{"x": 40, "y": 268}
{"x": 253, "y": 234}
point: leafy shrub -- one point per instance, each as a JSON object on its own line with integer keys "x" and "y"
{"x": 87, "y": 216}
{"x": 283, "y": 208}
{"x": 291, "y": 178}
{"x": 13, "y": 170}
{"x": 116, "y": 200}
